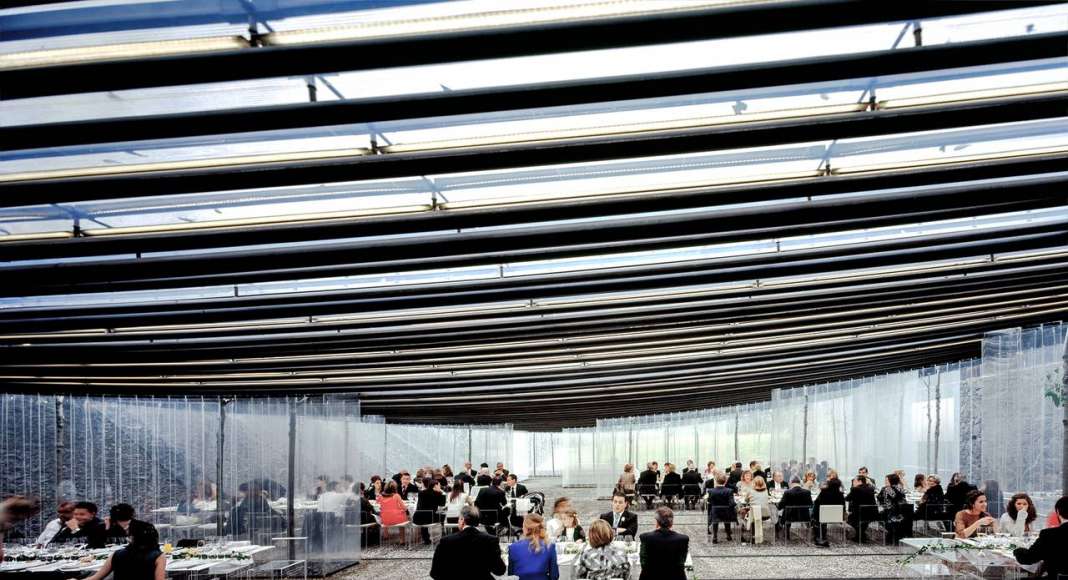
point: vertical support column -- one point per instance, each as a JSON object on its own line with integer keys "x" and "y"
{"x": 804, "y": 431}
{"x": 61, "y": 426}
{"x": 220, "y": 443}
{"x": 291, "y": 479}
{"x": 469, "y": 449}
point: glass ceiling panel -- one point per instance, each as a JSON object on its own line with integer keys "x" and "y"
{"x": 540, "y": 124}
{"x": 524, "y": 70}
{"x": 617, "y": 261}
{"x": 538, "y": 184}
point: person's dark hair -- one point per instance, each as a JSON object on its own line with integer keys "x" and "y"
{"x": 795, "y": 480}
{"x": 665, "y": 518}
{"x": 363, "y": 487}
{"x": 469, "y": 514}
{"x": 737, "y": 464}
{"x": 721, "y": 479}
{"x": 1061, "y": 507}
{"x": 86, "y": 505}
{"x": 456, "y": 491}
{"x": 834, "y": 484}
{"x": 863, "y": 480}
{"x": 121, "y": 512}
{"x": 972, "y": 497}
{"x": 1012, "y": 511}
{"x": 513, "y": 477}
{"x": 559, "y": 502}
{"x": 919, "y": 480}
{"x": 143, "y": 536}
{"x": 894, "y": 479}
{"x": 618, "y": 493}
{"x": 428, "y": 483}
{"x": 446, "y": 470}
{"x": 375, "y": 478}
{"x": 390, "y": 489}
{"x": 486, "y": 465}
{"x": 243, "y": 487}
{"x": 862, "y": 468}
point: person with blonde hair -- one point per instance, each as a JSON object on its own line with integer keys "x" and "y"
{"x": 628, "y": 481}
{"x": 602, "y": 560}
{"x": 534, "y": 556}
{"x": 809, "y": 481}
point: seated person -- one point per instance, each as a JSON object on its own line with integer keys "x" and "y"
{"x": 602, "y": 559}
{"x": 691, "y": 487}
{"x": 862, "y": 507}
{"x": 555, "y": 524}
{"x": 83, "y": 524}
{"x": 571, "y": 531}
{"x": 721, "y": 507}
{"x": 1019, "y": 517}
{"x": 647, "y": 485}
{"x": 490, "y": 503}
{"x": 1049, "y": 547}
{"x": 64, "y": 513}
{"x": 431, "y": 499}
{"x": 253, "y": 512}
{"x": 974, "y": 517}
{"x": 118, "y": 522}
{"x": 141, "y": 559}
{"x": 795, "y": 505}
{"x": 671, "y": 487}
{"x": 622, "y": 520}
{"x": 830, "y": 494}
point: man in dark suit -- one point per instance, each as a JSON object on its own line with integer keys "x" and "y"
{"x": 646, "y": 485}
{"x": 406, "y": 487}
{"x": 664, "y": 551}
{"x": 1049, "y": 547}
{"x": 515, "y": 489}
{"x": 795, "y": 505}
{"x": 691, "y": 487}
{"x": 468, "y": 555}
{"x": 490, "y": 502}
{"x": 721, "y": 508}
{"x": 83, "y": 524}
{"x": 623, "y": 522}
{"x": 469, "y": 470}
{"x": 735, "y": 476}
{"x": 863, "y": 509}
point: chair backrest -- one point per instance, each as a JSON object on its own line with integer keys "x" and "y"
{"x": 474, "y": 490}
{"x": 797, "y": 513}
{"x": 453, "y": 510}
{"x": 832, "y": 514}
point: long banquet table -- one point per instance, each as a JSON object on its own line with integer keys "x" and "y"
{"x": 86, "y": 561}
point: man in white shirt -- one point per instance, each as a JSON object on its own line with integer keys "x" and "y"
{"x": 65, "y": 511}
{"x": 335, "y": 498}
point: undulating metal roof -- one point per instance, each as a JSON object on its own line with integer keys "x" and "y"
{"x": 539, "y": 214}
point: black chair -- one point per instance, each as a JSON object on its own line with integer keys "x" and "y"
{"x": 721, "y": 515}
{"x": 648, "y": 493}
{"x": 864, "y": 516}
{"x": 691, "y": 493}
{"x": 898, "y": 522}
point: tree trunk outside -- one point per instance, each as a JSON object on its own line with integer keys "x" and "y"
{"x": 60, "y": 437}
{"x": 927, "y": 383}
{"x": 938, "y": 418}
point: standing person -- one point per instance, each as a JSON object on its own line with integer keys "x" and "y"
{"x": 602, "y": 560}
{"x": 664, "y": 551}
{"x": 830, "y": 494}
{"x": 1019, "y": 516}
{"x": 64, "y": 513}
{"x": 141, "y": 559}
{"x": 974, "y": 517}
{"x": 623, "y": 522}
{"x": 84, "y": 524}
{"x": 721, "y": 508}
{"x": 469, "y": 554}
{"x": 1049, "y": 547}
{"x": 534, "y": 556}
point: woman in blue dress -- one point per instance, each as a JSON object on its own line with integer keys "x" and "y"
{"x": 533, "y": 557}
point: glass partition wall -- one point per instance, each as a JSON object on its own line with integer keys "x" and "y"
{"x": 200, "y": 468}
{"x": 391, "y": 447}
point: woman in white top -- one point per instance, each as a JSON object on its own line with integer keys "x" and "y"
{"x": 555, "y": 524}
{"x": 1020, "y": 516}
{"x": 710, "y": 470}
{"x": 335, "y": 499}
{"x": 758, "y": 496}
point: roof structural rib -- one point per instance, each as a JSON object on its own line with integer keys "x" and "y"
{"x": 674, "y": 239}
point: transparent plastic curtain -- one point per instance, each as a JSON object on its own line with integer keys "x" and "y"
{"x": 544, "y": 454}
{"x": 393, "y": 447}
{"x": 722, "y": 435}
{"x": 161, "y": 455}
{"x": 1016, "y": 427}
{"x": 907, "y": 420}
{"x": 579, "y": 457}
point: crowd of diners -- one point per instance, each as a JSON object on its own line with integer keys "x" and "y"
{"x": 474, "y": 548}
{"x": 731, "y": 494}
